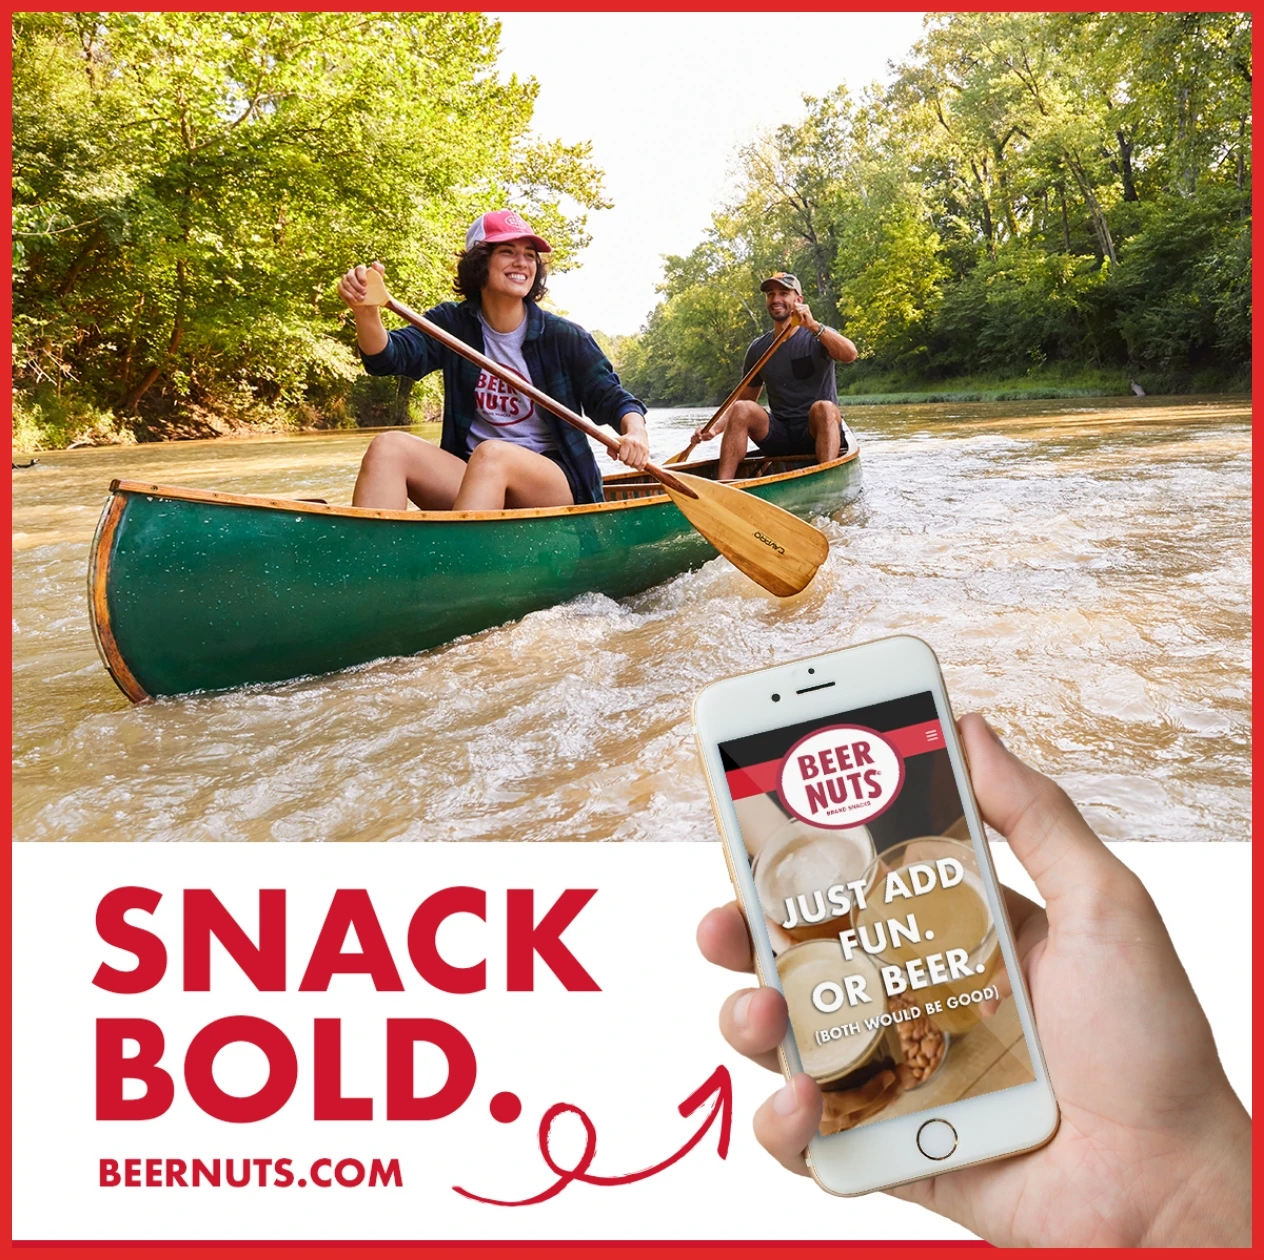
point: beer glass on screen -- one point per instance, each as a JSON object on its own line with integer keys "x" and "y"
{"x": 794, "y": 870}
{"x": 955, "y": 917}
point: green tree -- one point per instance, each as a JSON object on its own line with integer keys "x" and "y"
{"x": 188, "y": 186}
{"x": 1068, "y": 189}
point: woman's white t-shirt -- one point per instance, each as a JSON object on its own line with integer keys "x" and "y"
{"x": 501, "y": 412}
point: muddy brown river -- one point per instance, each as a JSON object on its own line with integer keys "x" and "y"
{"x": 1081, "y": 567}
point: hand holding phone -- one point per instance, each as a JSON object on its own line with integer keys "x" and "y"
{"x": 859, "y": 859}
{"x": 1154, "y": 1147}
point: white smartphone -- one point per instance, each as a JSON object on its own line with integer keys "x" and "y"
{"x": 859, "y": 858}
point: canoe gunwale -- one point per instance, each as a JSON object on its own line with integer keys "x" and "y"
{"x": 98, "y": 601}
{"x": 127, "y": 498}
{"x": 121, "y": 488}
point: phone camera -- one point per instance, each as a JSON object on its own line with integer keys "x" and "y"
{"x": 811, "y": 671}
{"x": 775, "y": 696}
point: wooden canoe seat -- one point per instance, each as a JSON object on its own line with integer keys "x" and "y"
{"x": 622, "y": 486}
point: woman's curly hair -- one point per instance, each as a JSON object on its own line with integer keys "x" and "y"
{"x": 471, "y": 273}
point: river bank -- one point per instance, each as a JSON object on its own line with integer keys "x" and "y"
{"x": 38, "y": 429}
{"x": 45, "y": 421}
{"x": 874, "y": 388}
{"x": 869, "y": 387}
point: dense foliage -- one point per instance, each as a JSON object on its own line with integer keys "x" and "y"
{"x": 1033, "y": 193}
{"x": 188, "y": 186}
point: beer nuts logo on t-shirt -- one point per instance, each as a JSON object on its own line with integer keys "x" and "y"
{"x": 840, "y": 776}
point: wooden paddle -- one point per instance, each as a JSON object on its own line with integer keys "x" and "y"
{"x": 768, "y": 544}
{"x": 792, "y": 324}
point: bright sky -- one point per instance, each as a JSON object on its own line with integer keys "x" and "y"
{"x": 666, "y": 98}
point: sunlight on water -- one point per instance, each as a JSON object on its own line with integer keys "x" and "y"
{"x": 1082, "y": 569}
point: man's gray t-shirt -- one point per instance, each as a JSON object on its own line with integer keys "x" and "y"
{"x": 799, "y": 374}
{"x": 502, "y": 413}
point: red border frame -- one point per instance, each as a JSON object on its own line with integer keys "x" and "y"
{"x": 479, "y": 1250}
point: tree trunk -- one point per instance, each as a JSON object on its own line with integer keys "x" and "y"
{"x": 989, "y": 230}
{"x": 1184, "y": 175}
{"x": 131, "y": 399}
{"x": 1100, "y": 227}
{"x": 1125, "y": 165}
{"x": 403, "y": 392}
{"x": 1002, "y": 180}
{"x": 819, "y": 262}
{"x": 97, "y": 238}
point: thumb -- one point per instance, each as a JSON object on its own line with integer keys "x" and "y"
{"x": 379, "y": 268}
{"x": 1047, "y": 834}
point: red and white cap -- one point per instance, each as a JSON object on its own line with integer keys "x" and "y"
{"x": 503, "y": 225}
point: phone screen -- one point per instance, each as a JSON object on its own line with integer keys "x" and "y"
{"x": 874, "y": 903}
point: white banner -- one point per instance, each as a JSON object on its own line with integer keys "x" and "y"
{"x": 376, "y": 1003}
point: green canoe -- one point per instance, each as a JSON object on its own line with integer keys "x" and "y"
{"x": 191, "y": 590}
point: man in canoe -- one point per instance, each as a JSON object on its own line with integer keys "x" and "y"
{"x": 802, "y": 416}
{"x": 498, "y": 448}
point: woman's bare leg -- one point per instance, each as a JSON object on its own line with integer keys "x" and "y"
{"x": 399, "y": 466}
{"x": 501, "y": 475}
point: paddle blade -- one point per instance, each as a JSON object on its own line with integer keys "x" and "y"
{"x": 680, "y": 456}
{"x": 768, "y": 544}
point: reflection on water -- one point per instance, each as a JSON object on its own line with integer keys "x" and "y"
{"x": 1082, "y": 569}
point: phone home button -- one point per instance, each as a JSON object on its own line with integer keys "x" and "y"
{"x": 937, "y": 1139}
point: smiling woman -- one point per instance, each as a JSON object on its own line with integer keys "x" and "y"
{"x": 498, "y": 450}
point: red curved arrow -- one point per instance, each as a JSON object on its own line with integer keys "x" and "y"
{"x": 718, "y": 1084}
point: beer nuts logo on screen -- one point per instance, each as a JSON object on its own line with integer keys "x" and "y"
{"x": 840, "y": 776}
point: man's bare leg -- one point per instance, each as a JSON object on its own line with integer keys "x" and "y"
{"x": 744, "y": 420}
{"x": 400, "y": 466}
{"x": 502, "y": 474}
{"x": 823, "y": 424}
